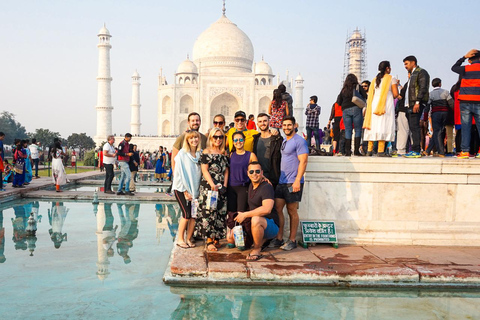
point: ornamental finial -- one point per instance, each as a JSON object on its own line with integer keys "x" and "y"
{"x": 224, "y": 9}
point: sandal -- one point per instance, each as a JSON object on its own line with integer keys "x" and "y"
{"x": 254, "y": 257}
{"x": 211, "y": 243}
{"x": 190, "y": 244}
{"x": 183, "y": 245}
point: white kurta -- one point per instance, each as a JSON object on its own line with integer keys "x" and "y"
{"x": 383, "y": 126}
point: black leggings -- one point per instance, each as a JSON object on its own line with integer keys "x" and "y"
{"x": 237, "y": 198}
{"x": 185, "y": 206}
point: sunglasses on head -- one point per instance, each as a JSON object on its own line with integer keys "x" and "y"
{"x": 238, "y": 140}
{"x": 217, "y": 137}
{"x": 240, "y": 120}
{"x": 218, "y": 122}
{"x": 254, "y": 171}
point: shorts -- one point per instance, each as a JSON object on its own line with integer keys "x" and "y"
{"x": 282, "y": 192}
{"x": 185, "y": 206}
{"x": 271, "y": 230}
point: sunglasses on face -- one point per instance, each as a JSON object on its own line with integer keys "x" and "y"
{"x": 240, "y": 120}
{"x": 238, "y": 140}
{"x": 255, "y": 171}
{"x": 219, "y": 123}
{"x": 217, "y": 137}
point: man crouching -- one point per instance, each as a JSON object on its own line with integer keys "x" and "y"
{"x": 264, "y": 218}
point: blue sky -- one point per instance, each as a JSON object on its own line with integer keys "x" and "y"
{"x": 49, "y": 56}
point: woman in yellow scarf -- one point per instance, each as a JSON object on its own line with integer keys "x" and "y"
{"x": 379, "y": 123}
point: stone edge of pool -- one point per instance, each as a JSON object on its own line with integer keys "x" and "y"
{"x": 227, "y": 267}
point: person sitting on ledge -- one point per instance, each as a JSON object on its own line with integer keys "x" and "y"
{"x": 261, "y": 222}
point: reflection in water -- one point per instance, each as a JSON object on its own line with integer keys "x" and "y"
{"x": 167, "y": 215}
{"x": 129, "y": 229}
{"x": 19, "y": 228}
{"x": 160, "y": 221}
{"x": 56, "y": 218}
{"x": 2, "y": 239}
{"x": 105, "y": 238}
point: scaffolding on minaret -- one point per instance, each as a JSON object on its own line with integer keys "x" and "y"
{"x": 355, "y": 60}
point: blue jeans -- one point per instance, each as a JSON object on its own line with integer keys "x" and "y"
{"x": 35, "y": 163}
{"x": 438, "y": 123}
{"x": 467, "y": 110}
{"x": 314, "y": 131}
{"x": 352, "y": 118}
{"x": 124, "y": 176}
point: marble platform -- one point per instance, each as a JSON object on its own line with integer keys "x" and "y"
{"x": 426, "y": 201}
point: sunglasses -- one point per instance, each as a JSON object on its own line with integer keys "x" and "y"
{"x": 217, "y": 137}
{"x": 255, "y": 171}
{"x": 240, "y": 120}
{"x": 284, "y": 143}
{"x": 218, "y": 123}
{"x": 238, "y": 140}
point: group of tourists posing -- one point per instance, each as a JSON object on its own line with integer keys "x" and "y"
{"x": 400, "y": 114}
{"x": 242, "y": 177}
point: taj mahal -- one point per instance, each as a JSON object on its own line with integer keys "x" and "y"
{"x": 221, "y": 78}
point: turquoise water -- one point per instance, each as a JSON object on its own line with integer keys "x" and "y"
{"x": 149, "y": 189}
{"x": 106, "y": 261}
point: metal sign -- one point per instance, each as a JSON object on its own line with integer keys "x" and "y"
{"x": 319, "y": 231}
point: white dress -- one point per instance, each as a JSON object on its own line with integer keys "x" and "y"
{"x": 382, "y": 126}
{"x": 58, "y": 171}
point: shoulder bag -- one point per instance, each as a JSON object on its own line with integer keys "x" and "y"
{"x": 358, "y": 99}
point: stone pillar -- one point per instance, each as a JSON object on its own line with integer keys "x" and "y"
{"x": 135, "y": 119}
{"x": 104, "y": 94}
{"x": 102, "y": 262}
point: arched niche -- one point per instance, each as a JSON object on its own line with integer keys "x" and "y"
{"x": 225, "y": 104}
{"x": 183, "y": 126}
{"x": 263, "y": 81}
{"x": 166, "y": 105}
{"x": 186, "y": 104}
{"x": 166, "y": 128}
{"x": 256, "y": 82}
{"x": 187, "y": 80}
{"x": 263, "y": 104}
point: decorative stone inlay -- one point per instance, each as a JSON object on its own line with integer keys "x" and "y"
{"x": 219, "y": 90}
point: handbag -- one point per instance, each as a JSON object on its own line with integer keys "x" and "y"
{"x": 18, "y": 168}
{"x": 358, "y": 99}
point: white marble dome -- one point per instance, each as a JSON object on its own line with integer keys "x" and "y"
{"x": 263, "y": 68}
{"x": 104, "y": 31}
{"x": 223, "y": 47}
{"x": 187, "y": 66}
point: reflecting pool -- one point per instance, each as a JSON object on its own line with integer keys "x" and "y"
{"x": 80, "y": 187}
{"x": 106, "y": 261}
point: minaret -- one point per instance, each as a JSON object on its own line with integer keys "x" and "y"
{"x": 104, "y": 94}
{"x": 355, "y": 56}
{"x": 135, "y": 124}
{"x": 299, "y": 108}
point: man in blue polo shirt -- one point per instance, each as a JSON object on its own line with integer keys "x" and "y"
{"x": 290, "y": 187}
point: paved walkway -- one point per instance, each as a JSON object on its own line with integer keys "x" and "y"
{"x": 44, "y": 188}
{"x": 323, "y": 265}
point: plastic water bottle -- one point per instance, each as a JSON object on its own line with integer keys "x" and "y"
{"x": 238, "y": 236}
{"x": 194, "y": 208}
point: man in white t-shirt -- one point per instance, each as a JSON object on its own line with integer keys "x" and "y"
{"x": 109, "y": 156}
{"x": 35, "y": 155}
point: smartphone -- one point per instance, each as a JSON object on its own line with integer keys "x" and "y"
{"x": 290, "y": 189}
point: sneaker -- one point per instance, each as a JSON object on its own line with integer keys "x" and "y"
{"x": 120, "y": 193}
{"x": 394, "y": 154}
{"x": 289, "y": 245}
{"x": 276, "y": 243}
{"x": 463, "y": 155}
{"x": 3, "y": 189}
{"x": 478, "y": 155}
{"x": 413, "y": 154}
{"x": 129, "y": 193}
{"x": 109, "y": 192}
{"x": 438, "y": 155}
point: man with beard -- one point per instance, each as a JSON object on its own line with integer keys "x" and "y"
{"x": 267, "y": 149}
{"x": 289, "y": 191}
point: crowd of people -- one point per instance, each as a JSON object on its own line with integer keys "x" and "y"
{"x": 385, "y": 118}
{"x": 240, "y": 176}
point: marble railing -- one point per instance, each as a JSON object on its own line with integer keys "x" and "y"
{"x": 427, "y": 201}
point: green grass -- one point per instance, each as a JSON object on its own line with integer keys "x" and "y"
{"x": 69, "y": 170}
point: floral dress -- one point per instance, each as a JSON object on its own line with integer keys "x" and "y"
{"x": 211, "y": 223}
{"x": 278, "y": 113}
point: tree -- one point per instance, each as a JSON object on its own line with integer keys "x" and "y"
{"x": 81, "y": 141}
{"x": 44, "y": 136}
{"x": 12, "y": 128}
